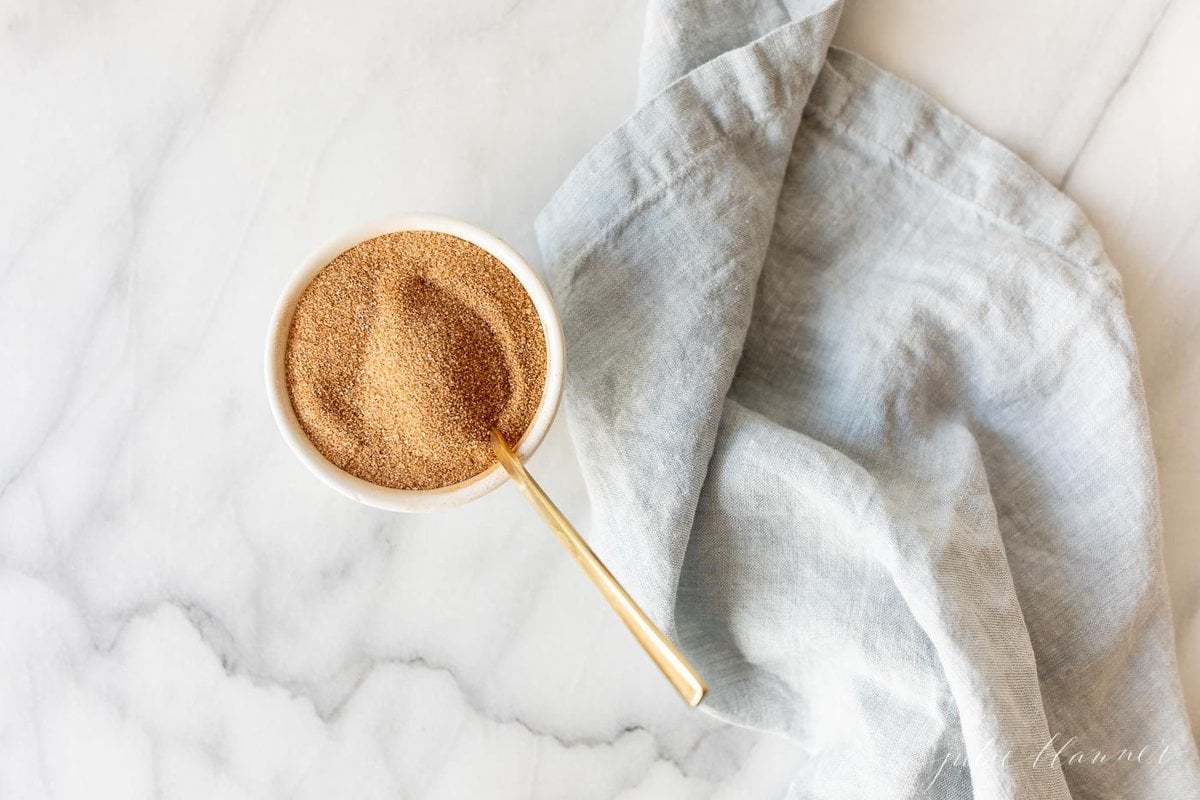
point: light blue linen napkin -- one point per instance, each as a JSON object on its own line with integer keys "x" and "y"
{"x": 860, "y": 416}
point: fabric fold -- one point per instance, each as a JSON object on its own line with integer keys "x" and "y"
{"x": 730, "y": 128}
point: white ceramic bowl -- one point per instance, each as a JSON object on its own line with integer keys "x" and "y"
{"x": 402, "y": 499}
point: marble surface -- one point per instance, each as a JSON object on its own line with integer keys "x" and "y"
{"x": 185, "y": 612}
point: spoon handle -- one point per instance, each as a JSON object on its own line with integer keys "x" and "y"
{"x": 673, "y": 664}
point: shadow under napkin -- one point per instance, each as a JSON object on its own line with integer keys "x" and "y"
{"x": 859, "y": 412}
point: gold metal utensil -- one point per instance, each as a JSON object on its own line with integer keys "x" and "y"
{"x": 673, "y": 664}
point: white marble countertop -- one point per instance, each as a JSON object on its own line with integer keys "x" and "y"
{"x": 186, "y": 612}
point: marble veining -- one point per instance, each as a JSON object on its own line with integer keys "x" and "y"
{"x": 185, "y": 612}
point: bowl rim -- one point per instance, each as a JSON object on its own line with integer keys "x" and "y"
{"x": 411, "y": 500}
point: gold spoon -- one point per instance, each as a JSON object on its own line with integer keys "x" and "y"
{"x": 673, "y": 664}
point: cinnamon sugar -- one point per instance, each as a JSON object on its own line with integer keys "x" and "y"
{"x": 405, "y": 351}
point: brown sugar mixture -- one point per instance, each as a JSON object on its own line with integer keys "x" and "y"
{"x": 405, "y": 351}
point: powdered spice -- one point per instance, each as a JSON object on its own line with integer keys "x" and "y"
{"x": 405, "y": 351}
